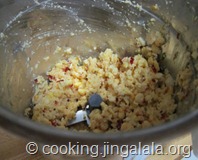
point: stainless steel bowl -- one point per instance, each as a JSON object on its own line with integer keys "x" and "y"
{"x": 31, "y": 30}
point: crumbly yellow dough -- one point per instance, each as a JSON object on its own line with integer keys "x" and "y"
{"x": 135, "y": 94}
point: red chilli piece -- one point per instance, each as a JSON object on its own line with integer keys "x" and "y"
{"x": 36, "y": 80}
{"x": 164, "y": 116}
{"x": 66, "y": 69}
{"x": 50, "y": 77}
{"x": 54, "y": 123}
{"x": 131, "y": 60}
{"x": 154, "y": 69}
{"x": 56, "y": 102}
{"x": 119, "y": 124}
